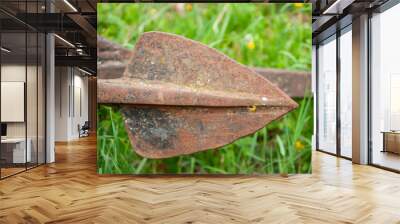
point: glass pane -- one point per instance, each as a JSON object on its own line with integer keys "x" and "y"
{"x": 32, "y": 87}
{"x": 31, "y": 98}
{"x": 327, "y": 97}
{"x": 385, "y": 86}
{"x": 41, "y": 99}
{"x": 346, "y": 94}
{"x": 13, "y": 87}
{"x": 22, "y": 88}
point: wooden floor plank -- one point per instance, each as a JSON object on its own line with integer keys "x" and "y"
{"x": 70, "y": 191}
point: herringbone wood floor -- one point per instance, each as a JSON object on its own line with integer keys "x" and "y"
{"x": 70, "y": 191}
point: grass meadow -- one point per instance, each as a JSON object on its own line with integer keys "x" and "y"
{"x": 260, "y": 35}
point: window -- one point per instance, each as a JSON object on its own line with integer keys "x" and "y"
{"x": 346, "y": 93}
{"x": 327, "y": 96}
{"x": 385, "y": 89}
{"x": 22, "y": 77}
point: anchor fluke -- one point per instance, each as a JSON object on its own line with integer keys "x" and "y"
{"x": 179, "y": 96}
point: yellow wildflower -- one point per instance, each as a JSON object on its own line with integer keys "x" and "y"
{"x": 253, "y": 108}
{"x": 251, "y": 45}
{"x": 153, "y": 11}
{"x": 299, "y": 145}
{"x": 298, "y": 5}
{"x": 189, "y": 7}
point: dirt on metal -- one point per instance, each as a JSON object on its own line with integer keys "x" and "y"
{"x": 179, "y": 96}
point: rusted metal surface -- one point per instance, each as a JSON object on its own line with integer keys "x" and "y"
{"x": 111, "y": 59}
{"x": 293, "y": 83}
{"x": 179, "y": 96}
{"x": 160, "y": 131}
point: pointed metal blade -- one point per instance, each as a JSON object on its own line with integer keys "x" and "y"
{"x": 180, "y": 96}
{"x": 166, "y": 131}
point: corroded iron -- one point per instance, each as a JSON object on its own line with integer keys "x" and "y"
{"x": 293, "y": 83}
{"x": 179, "y": 96}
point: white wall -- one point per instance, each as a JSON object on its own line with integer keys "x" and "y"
{"x": 62, "y": 81}
{"x": 80, "y": 96}
{"x": 33, "y": 126}
{"x": 70, "y": 83}
{"x": 12, "y": 73}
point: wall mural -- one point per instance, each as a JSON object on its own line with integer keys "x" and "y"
{"x": 177, "y": 89}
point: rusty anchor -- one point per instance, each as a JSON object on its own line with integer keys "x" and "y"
{"x": 179, "y": 96}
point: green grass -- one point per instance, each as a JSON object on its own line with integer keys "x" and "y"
{"x": 281, "y": 33}
{"x": 272, "y": 35}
